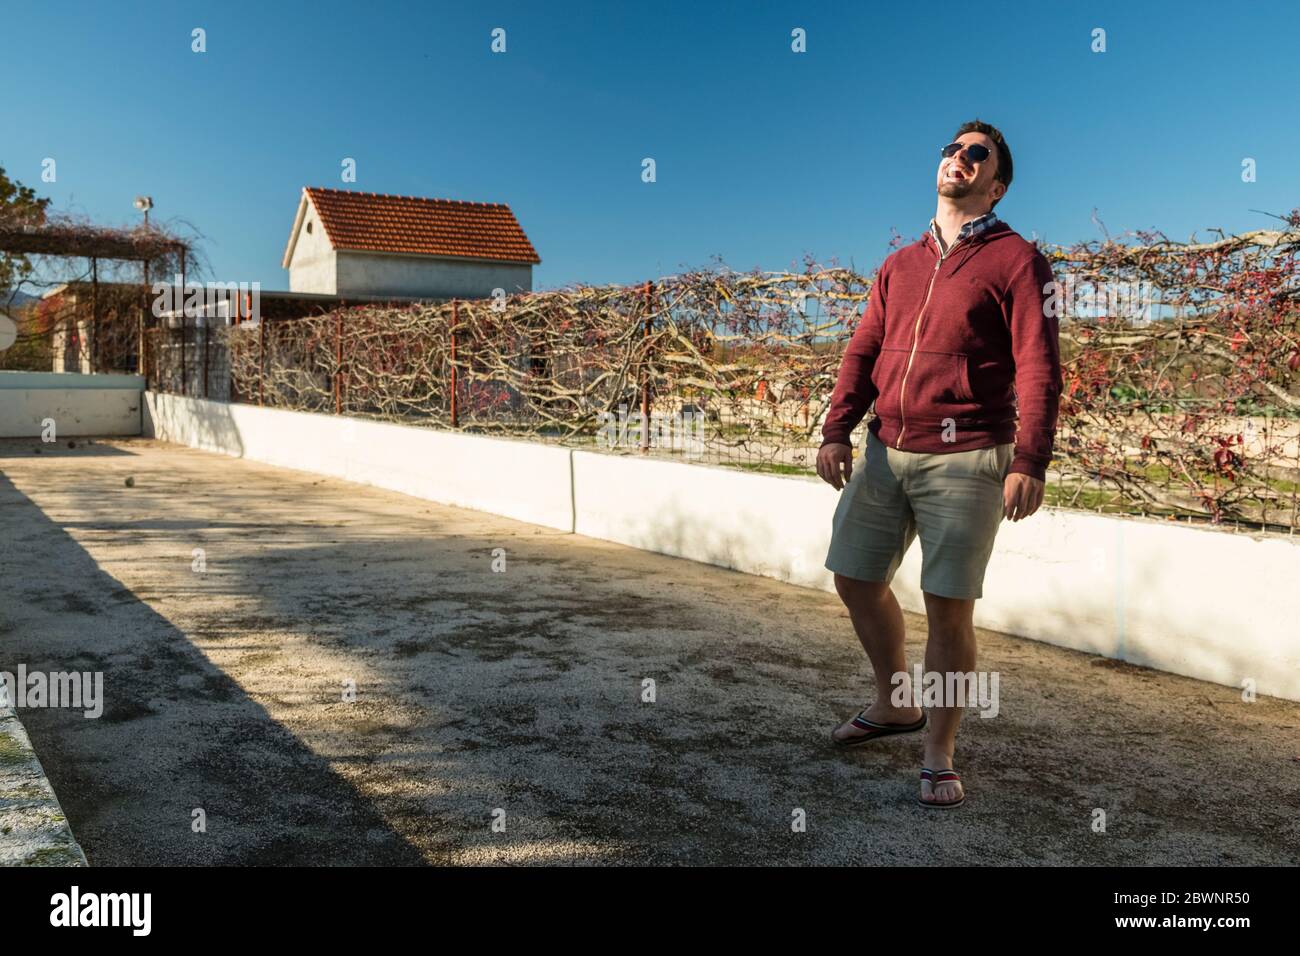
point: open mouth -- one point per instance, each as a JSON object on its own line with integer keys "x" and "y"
{"x": 955, "y": 175}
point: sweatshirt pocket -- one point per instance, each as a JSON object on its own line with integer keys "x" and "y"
{"x": 936, "y": 385}
{"x": 887, "y": 376}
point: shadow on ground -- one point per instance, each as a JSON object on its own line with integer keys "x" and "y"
{"x": 176, "y": 733}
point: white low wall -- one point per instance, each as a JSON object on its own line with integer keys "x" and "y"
{"x": 1208, "y": 604}
{"x": 1216, "y": 605}
{"x": 77, "y": 404}
{"x": 517, "y": 479}
{"x": 1213, "y": 605}
{"x": 760, "y": 524}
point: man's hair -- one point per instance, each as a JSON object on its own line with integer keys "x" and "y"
{"x": 1003, "y": 174}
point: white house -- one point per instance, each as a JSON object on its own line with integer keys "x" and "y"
{"x": 349, "y": 243}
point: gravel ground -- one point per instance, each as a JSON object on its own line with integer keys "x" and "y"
{"x": 516, "y": 696}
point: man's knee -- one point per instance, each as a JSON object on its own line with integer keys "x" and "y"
{"x": 858, "y": 591}
{"x": 949, "y": 617}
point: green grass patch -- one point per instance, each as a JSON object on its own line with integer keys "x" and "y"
{"x": 771, "y": 468}
{"x": 52, "y": 856}
{"x": 10, "y": 752}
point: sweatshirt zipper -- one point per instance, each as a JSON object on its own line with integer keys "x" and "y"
{"x": 916, "y": 335}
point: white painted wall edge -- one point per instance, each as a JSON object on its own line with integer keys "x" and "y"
{"x": 24, "y": 412}
{"x": 1207, "y": 604}
{"x": 10, "y": 378}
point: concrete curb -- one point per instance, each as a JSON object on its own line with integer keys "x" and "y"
{"x": 33, "y": 828}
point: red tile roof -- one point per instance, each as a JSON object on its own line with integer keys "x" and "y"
{"x": 371, "y": 222}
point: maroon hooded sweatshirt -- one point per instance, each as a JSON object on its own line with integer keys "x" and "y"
{"x": 950, "y": 345}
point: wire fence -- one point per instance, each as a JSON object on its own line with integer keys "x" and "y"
{"x": 1181, "y": 364}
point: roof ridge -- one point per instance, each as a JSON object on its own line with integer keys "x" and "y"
{"x": 362, "y": 192}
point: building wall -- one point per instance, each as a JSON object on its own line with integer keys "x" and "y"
{"x": 364, "y": 273}
{"x": 67, "y": 336}
{"x": 312, "y": 268}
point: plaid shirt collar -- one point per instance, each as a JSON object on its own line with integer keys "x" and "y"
{"x": 972, "y": 227}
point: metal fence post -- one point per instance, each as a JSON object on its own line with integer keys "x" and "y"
{"x": 240, "y": 318}
{"x": 338, "y": 362}
{"x": 455, "y": 411}
{"x": 182, "y": 300}
{"x": 645, "y": 372}
{"x": 207, "y": 331}
{"x": 261, "y": 359}
{"x": 94, "y": 315}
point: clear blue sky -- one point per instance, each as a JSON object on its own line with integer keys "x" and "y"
{"x": 764, "y": 156}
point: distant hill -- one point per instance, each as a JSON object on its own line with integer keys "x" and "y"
{"x": 19, "y": 299}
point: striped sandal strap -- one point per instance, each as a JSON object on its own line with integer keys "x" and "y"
{"x": 939, "y": 776}
{"x": 862, "y": 723}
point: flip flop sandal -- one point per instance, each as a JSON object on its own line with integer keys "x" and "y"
{"x": 936, "y": 777}
{"x": 875, "y": 730}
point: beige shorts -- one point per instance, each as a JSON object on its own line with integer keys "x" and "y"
{"x": 953, "y": 500}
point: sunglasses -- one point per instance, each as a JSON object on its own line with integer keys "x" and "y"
{"x": 974, "y": 151}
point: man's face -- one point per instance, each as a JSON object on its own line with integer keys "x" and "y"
{"x": 961, "y": 176}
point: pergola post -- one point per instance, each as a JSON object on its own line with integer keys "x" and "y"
{"x": 94, "y": 315}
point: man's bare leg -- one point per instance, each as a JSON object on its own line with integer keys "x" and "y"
{"x": 878, "y": 621}
{"x": 950, "y": 649}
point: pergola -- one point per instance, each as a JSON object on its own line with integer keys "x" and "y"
{"x": 82, "y": 241}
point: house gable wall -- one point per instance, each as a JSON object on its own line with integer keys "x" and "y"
{"x": 313, "y": 267}
{"x": 364, "y": 273}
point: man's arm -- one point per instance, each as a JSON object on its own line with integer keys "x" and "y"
{"x": 854, "y": 392}
{"x": 1035, "y": 347}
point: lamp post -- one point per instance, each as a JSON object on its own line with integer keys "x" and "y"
{"x": 144, "y": 204}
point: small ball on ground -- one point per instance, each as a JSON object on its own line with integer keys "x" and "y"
{"x": 130, "y": 481}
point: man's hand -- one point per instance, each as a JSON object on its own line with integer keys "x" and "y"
{"x": 1021, "y": 496}
{"x": 831, "y": 460}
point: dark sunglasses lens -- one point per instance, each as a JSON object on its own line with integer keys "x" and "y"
{"x": 975, "y": 152}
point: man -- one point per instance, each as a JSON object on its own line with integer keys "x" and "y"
{"x": 954, "y": 346}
